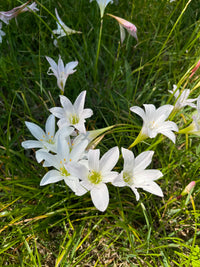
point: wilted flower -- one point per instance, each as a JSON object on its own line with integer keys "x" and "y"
{"x": 6, "y": 16}
{"x": 62, "y": 29}
{"x": 135, "y": 176}
{"x": 188, "y": 188}
{"x": 181, "y": 98}
{"x": 60, "y": 71}
{"x": 102, "y": 5}
{"x": 94, "y": 173}
{"x": 154, "y": 122}
{"x": 195, "y": 69}
{"x": 2, "y": 33}
{"x": 73, "y": 115}
{"x": 194, "y": 127}
{"x": 124, "y": 24}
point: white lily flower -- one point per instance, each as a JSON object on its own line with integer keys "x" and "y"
{"x": 181, "y": 98}
{"x": 60, "y": 71}
{"x": 194, "y": 127}
{"x": 65, "y": 153}
{"x": 95, "y": 173}
{"x": 102, "y": 5}
{"x": 135, "y": 175}
{"x": 154, "y": 122}
{"x": 6, "y": 16}
{"x": 72, "y": 115}
{"x": 62, "y": 29}
{"x": 46, "y": 141}
{"x": 2, "y": 33}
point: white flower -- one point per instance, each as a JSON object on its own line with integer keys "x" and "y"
{"x": 135, "y": 176}
{"x": 6, "y": 16}
{"x": 194, "y": 127}
{"x": 60, "y": 71}
{"x": 95, "y": 173}
{"x": 181, "y": 98}
{"x": 46, "y": 141}
{"x": 2, "y": 33}
{"x": 102, "y": 5}
{"x": 154, "y": 121}
{"x": 65, "y": 153}
{"x": 73, "y": 115}
{"x": 32, "y": 7}
{"x": 62, "y": 29}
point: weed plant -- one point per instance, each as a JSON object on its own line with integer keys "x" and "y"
{"x": 50, "y": 226}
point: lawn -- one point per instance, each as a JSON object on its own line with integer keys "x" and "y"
{"x": 46, "y": 223}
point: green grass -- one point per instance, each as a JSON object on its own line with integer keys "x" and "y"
{"x": 50, "y": 226}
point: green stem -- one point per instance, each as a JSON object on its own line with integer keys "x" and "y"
{"x": 139, "y": 139}
{"x": 98, "y": 51}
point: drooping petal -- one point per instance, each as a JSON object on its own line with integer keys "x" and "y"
{"x": 135, "y": 192}
{"x": 139, "y": 111}
{"x": 167, "y": 128}
{"x": 100, "y": 197}
{"x": 69, "y": 68}
{"x": 53, "y": 67}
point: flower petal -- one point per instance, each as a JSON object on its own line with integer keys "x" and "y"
{"x": 139, "y": 111}
{"x": 153, "y": 188}
{"x": 79, "y": 102}
{"x": 50, "y": 126}
{"x": 143, "y": 160}
{"x": 35, "y": 130}
{"x": 109, "y": 160}
{"x": 57, "y": 112}
{"x": 50, "y": 177}
{"x": 100, "y": 197}
{"x": 93, "y": 159}
{"x": 31, "y": 144}
{"x": 129, "y": 160}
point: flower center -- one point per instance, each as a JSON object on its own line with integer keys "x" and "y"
{"x": 74, "y": 119}
{"x": 64, "y": 172}
{"x": 152, "y": 125}
{"x": 128, "y": 178}
{"x": 95, "y": 177}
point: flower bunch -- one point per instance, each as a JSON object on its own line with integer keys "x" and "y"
{"x": 73, "y": 160}
{"x": 71, "y": 151}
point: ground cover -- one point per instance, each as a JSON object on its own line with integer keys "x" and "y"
{"x": 51, "y": 226}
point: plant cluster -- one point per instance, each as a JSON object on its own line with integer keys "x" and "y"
{"x": 71, "y": 149}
